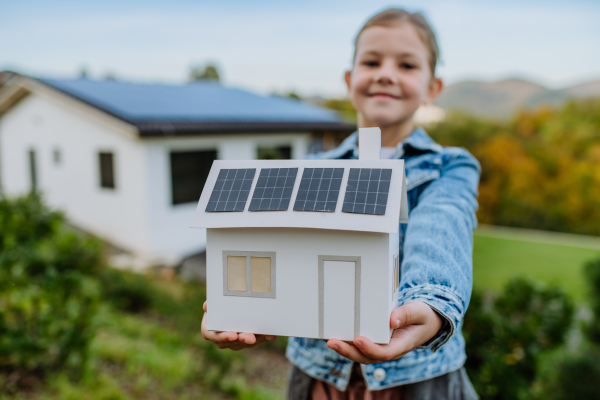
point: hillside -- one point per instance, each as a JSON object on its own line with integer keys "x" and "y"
{"x": 501, "y": 99}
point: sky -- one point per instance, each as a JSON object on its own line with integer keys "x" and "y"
{"x": 302, "y": 46}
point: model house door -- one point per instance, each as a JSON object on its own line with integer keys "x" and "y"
{"x": 339, "y": 316}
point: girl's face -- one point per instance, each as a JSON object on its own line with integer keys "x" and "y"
{"x": 391, "y": 77}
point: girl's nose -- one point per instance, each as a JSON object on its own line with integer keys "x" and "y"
{"x": 385, "y": 74}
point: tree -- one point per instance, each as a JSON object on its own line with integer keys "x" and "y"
{"x": 83, "y": 73}
{"x": 207, "y": 72}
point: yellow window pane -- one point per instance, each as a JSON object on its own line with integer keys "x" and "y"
{"x": 260, "y": 274}
{"x": 236, "y": 273}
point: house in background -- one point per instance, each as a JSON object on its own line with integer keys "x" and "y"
{"x": 127, "y": 161}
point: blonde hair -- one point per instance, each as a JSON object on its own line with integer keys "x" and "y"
{"x": 397, "y": 16}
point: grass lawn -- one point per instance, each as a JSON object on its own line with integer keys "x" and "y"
{"x": 500, "y": 255}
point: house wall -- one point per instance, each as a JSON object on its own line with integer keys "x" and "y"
{"x": 295, "y": 310}
{"x": 138, "y": 215}
{"x": 45, "y": 124}
{"x": 169, "y": 234}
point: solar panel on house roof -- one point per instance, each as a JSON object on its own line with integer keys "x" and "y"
{"x": 190, "y": 102}
{"x": 231, "y": 190}
{"x": 273, "y": 189}
{"x": 367, "y": 191}
{"x": 319, "y": 189}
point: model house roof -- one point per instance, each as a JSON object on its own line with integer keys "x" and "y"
{"x": 354, "y": 195}
{"x": 196, "y": 107}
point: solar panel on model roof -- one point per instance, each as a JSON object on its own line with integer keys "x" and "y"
{"x": 273, "y": 189}
{"x": 231, "y": 190}
{"x": 319, "y": 189}
{"x": 367, "y": 191}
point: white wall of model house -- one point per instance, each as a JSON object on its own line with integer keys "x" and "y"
{"x": 138, "y": 215}
{"x": 295, "y": 310}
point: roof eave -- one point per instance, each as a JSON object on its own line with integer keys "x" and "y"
{"x": 163, "y": 128}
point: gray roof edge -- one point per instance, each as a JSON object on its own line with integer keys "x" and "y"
{"x": 164, "y": 128}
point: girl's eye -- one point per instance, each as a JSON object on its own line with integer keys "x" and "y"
{"x": 371, "y": 63}
{"x": 407, "y": 66}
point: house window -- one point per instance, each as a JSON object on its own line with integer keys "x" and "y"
{"x": 33, "y": 170}
{"x": 249, "y": 273}
{"x": 107, "y": 170}
{"x": 56, "y": 156}
{"x": 189, "y": 170}
{"x": 274, "y": 153}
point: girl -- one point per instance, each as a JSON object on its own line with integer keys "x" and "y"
{"x": 393, "y": 73}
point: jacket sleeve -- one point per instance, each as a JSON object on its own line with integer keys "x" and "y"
{"x": 437, "y": 265}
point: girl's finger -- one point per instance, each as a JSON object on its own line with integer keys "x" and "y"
{"x": 412, "y": 313}
{"x": 221, "y": 337}
{"x": 349, "y": 351}
{"x": 247, "y": 338}
{"x": 383, "y": 352}
{"x": 264, "y": 338}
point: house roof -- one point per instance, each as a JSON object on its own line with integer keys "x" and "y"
{"x": 395, "y": 207}
{"x": 197, "y": 107}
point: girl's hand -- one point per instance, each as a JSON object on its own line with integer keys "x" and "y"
{"x": 414, "y": 324}
{"x": 232, "y": 340}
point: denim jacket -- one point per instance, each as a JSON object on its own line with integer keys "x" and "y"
{"x": 436, "y": 264}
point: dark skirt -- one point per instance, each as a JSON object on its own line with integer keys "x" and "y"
{"x": 451, "y": 386}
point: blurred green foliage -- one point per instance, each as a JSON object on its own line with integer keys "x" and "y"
{"x": 48, "y": 292}
{"x": 592, "y": 327}
{"x": 343, "y": 106}
{"x": 539, "y": 170}
{"x": 506, "y": 334}
{"x": 566, "y": 375}
{"x": 126, "y": 291}
{"x": 208, "y": 72}
{"x": 575, "y": 373}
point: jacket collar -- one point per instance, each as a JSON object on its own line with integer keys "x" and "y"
{"x": 418, "y": 140}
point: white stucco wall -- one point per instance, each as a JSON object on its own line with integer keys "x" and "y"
{"x": 73, "y": 185}
{"x": 169, "y": 232}
{"x": 295, "y": 310}
{"x": 138, "y": 215}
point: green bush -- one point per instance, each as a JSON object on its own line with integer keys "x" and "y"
{"x": 506, "y": 335}
{"x": 48, "y": 292}
{"x": 565, "y": 376}
{"x": 127, "y": 291}
{"x": 592, "y": 274}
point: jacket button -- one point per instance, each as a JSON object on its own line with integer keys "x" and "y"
{"x": 379, "y": 374}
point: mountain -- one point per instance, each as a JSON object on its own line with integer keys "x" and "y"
{"x": 501, "y": 99}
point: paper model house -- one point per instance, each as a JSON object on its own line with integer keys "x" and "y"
{"x": 305, "y": 248}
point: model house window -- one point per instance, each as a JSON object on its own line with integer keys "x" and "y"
{"x": 107, "y": 170}
{"x": 274, "y": 153}
{"x": 189, "y": 170}
{"x": 32, "y": 170}
{"x": 249, "y": 273}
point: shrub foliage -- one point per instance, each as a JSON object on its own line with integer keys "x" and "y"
{"x": 48, "y": 292}
{"x": 506, "y": 335}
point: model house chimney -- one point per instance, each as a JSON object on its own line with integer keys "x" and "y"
{"x": 369, "y": 143}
